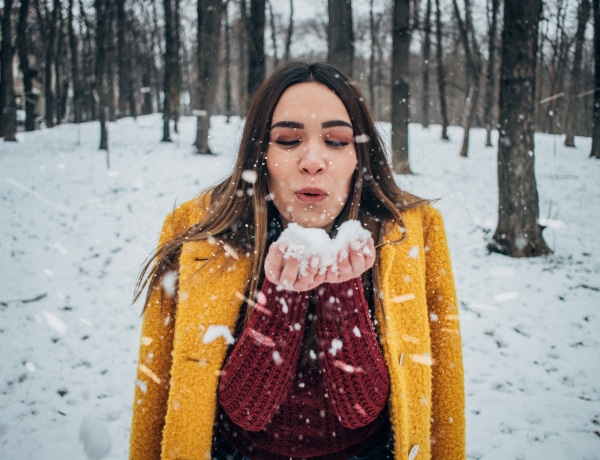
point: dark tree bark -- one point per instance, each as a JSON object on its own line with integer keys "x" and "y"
{"x": 273, "y": 33}
{"x": 124, "y": 65}
{"x": 168, "y": 70}
{"x": 373, "y": 37}
{"x": 290, "y": 31}
{"x": 102, "y": 22}
{"x": 210, "y": 13}
{"x": 519, "y": 233}
{"x": 595, "y": 152}
{"x": 426, "y": 54}
{"x": 61, "y": 86}
{"x": 26, "y": 70}
{"x": 227, "y": 63}
{"x": 441, "y": 75}
{"x": 490, "y": 77}
{"x": 73, "y": 45}
{"x": 177, "y": 66}
{"x": 583, "y": 15}
{"x": 400, "y": 86}
{"x": 256, "y": 45}
{"x": 8, "y": 120}
{"x": 340, "y": 34}
{"x": 473, "y": 69}
{"x": 50, "y": 55}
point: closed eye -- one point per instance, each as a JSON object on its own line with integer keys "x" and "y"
{"x": 334, "y": 143}
{"x": 288, "y": 143}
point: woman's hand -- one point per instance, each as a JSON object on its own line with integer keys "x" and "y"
{"x": 294, "y": 274}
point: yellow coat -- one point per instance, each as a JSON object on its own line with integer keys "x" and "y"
{"x": 176, "y": 389}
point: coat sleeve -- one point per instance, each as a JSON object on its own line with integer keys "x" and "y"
{"x": 153, "y": 371}
{"x": 448, "y": 399}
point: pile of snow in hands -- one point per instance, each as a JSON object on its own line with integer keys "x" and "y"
{"x": 314, "y": 247}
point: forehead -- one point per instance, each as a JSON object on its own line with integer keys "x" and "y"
{"x": 310, "y": 100}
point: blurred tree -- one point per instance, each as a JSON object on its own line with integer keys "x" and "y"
{"x": 210, "y": 13}
{"x": 519, "y": 233}
{"x": 441, "y": 74}
{"x": 168, "y": 70}
{"x": 595, "y": 153}
{"x": 28, "y": 73}
{"x": 340, "y": 34}
{"x": 8, "y": 125}
{"x": 102, "y": 8}
{"x": 400, "y": 86}
{"x": 490, "y": 73}
{"x": 255, "y": 26}
{"x": 426, "y": 51}
{"x": 583, "y": 15}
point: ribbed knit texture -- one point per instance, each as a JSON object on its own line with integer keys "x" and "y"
{"x": 280, "y": 406}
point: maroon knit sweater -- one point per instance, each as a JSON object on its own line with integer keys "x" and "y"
{"x": 276, "y": 405}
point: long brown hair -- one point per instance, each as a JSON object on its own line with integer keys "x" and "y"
{"x": 241, "y": 219}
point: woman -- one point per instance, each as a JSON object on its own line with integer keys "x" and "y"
{"x": 249, "y": 353}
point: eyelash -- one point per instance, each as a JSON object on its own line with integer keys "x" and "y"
{"x": 330, "y": 142}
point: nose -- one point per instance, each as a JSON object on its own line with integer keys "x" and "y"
{"x": 312, "y": 160}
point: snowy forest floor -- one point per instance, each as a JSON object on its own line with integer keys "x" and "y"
{"x": 74, "y": 234}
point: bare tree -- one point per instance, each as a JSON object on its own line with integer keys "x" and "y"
{"x": 441, "y": 74}
{"x": 290, "y": 31}
{"x": 102, "y": 31}
{"x": 74, "y": 53}
{"x": 490, "y": 74}
{"x": 273, "y": 33}
{"x": 255, "y": 26}
{"x": 426, "y": 53}
{"x": 595, "y": 152}
{"x": 210, "y": 13}
{"x": 26, "y": 70}
{"x": 583, "y": 14}
{"x": 400, "y": 87}
{"x": 519, "y": 233}
{"x": 124, "y": 64}
{"x": 473, "y": 69}
{"x": 169, "y": 70}
{"x": 8, "y": 126}
{"x": 340, "y": 34}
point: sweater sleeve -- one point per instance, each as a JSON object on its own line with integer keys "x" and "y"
{"x": 448, "y": 398}
{"x": 354, "y": 370}
{"x": 260, "y": 370}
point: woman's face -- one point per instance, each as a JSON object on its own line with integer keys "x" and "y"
{"x": 311, "y": 156}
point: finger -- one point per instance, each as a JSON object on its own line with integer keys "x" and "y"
{"x": 344, "y": 266}
{"x": 274, "y": 263}
{"x": 289, "y": 273}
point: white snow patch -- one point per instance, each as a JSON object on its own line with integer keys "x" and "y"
{"x": 215, "y": 331}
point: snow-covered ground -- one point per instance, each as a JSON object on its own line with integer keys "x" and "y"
{"x": 74, "y": 234}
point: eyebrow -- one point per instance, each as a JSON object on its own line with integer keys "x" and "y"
{"x": 296, "y": 125}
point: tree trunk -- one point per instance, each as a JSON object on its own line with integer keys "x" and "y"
{"x": 50, "y": 53}
{"x": 583, "y": 14}
{"x": 60, "y": 108}
{"x": 256, "y": 46}
{"x": 400, "y": 87}
{"x": 124, "y": 64}
{"x": 28, "y": 73}
{"x": 490, "y": 80}
{"x": 74, "y": 66}
{"x": 209, "y": 29}
{"x": 273, "y": 33}
{"x": 290, "y": 31}
{"x": 441, "y": 75}
{"x": 176, "y": 62}
{"x": 102, "y": 19}
{"x": 227, "y": 63}
{"x": 8, "y": 125}
{"x": 168, "y": 71}
{"x": 340, "y": 35}
{"x": 426, "y": 53}
{"x": 519, "y": 233}
{"x": 595, "y": 152}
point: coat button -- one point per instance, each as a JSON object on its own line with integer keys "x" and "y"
{"x": 413, "y": 452}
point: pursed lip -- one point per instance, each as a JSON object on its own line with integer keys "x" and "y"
{"x": 311, "y": 194}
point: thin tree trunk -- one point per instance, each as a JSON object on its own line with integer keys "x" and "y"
{"x": 490, "y": 80}
{"x": 28, "y": 73}
{"x": 583, "y": 14}
{"x": 74, "y": 52}
{"x": 372, "y": 55}
{"x": 102, "y": 19}
{"x": 400, "y": 87}
{"x": 340, "y": 35}
{"x": 441, "y": 75}
{"x": 227, "y": 63}
{"x": 209, "y": 29}
{"x": 176, "y": 62}
{"x": 168, "y": 71}
{"x": 60, "y": 42}
{"x": 50, "y": 54}
{"x": 426, "y": 54}
{"x": 273, "y": 33}
{"x": 122, "y": 58}
{"x": 595, "y": 152}
{"x": 518, "y": 233}
{"x": 8, "y": 125}
{"x": 256, "y": 45}
{"x": 290, "y": 31}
